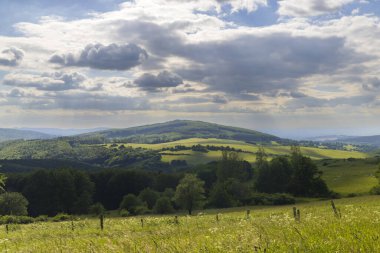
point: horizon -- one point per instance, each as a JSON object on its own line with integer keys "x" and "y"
{"x": 294, "y": 134}
{"x": 294, "y": 69}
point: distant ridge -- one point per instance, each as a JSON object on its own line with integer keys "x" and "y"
{"x": 7, "y": 134}
{"x": 180, "y": 129}
{"x": 65, "y": 132}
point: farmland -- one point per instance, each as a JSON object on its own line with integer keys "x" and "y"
{"x": 249, "y": 150}
{"x": 268, "y": 229}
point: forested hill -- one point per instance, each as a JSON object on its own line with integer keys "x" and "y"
{"x": 177, "y": 130}
{"x": 15, "y": 134}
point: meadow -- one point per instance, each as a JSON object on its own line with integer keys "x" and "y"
{"x": 266, "y": 229}
{"x": 350, "y": 176}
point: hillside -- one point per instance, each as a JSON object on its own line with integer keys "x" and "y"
{"x": 177, "y": 130}
{"x": 7, "y": 134}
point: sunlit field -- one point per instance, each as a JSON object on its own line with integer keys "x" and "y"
{"x": 249, "y": 150}
{"x": 266, "y": 229}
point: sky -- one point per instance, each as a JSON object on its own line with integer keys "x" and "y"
{"x": 294, "y": 68}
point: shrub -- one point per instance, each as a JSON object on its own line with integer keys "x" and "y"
{"x": 13, "y": 203}
{"x": 41, "y": 218}
{"x": 375, "y": 190}
{"x": 10, "y": 219}
{"x": 61, "y": 217}
{"x": 97, "y": 209}
{"x": 133, "y": 204}
{"x": 272, "y": 199}
{"x": 124, "y": 213}
{"x": 25, "y": 219}
{"x": 163, "y": 205}
{"x": 141, "y": 210}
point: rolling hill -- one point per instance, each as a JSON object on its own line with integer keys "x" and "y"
{"x": 177, "y": 130}
{"x": 7, "y": 134}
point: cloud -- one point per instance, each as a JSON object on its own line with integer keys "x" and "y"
{"x": 306, "y": 8}
{"x": 57, "y": 81}
{"x": 11, "y": 57}
{"x": 372, "y": 84}
{"x": 248, "y": 5}
{"x": 98, "y": 56}
{"x": 152, "y": 82}
{"x": 261, "y": 64}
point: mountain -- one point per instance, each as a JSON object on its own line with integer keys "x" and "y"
{"x": 177, "y": 130}
{"x": 64, "y": 132}
{"x": 7, "y": 134}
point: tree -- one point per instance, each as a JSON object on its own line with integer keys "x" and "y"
{"x": 96, "y": 209}
{"x": 274, "y": 177}
{"x": 149, "y": 197}
{"x": 232, "y": 166}
{"x": 190, "y": 193}
{"x": 220, "y": 198}
{"x": 261, "y": 157}
{"x": 163, "y": 205}
{"x": 306, "y": 179}
{"x": 13, "y": 203}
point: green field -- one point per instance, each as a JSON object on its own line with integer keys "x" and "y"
{"x": 345, "y": 177}
{"x": 269, "y": 229}
{"x": 249, "y": 150}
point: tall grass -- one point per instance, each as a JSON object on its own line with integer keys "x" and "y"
{"x": 272, "y": 229}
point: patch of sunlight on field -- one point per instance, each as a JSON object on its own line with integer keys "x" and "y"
{"x": 347, "y": 177}
{"x": 271, "y": 150}
{"x": 268, "y": 229}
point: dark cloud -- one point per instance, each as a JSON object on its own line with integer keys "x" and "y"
{"x": 11, "y": 57}
{"x": 164, "y": 79}
{"x": 219, "y": 99}
{"x": 308, "y": 101}
{"x": 88, "y": 101}
{"x": 252, "y": 64}
{"x": 372, "y": 84}
{"x": 98, "y": 56}
{"x": 49, "y": 82}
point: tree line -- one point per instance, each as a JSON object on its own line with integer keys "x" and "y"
{"x": 229, "y": 182}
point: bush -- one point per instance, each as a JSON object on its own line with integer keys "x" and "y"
{"x": 141, "y": 210}
{"x": 13, "y": 203}
{"x": 25, "y": 219}
{"x": 272, "y": 199}
{"x": 10, "y": 219}
{"x": 163, "y": 205}
{"x": 61, "y": 217}
{"x": 133, "y": 205}
{"x": 375, "y": 190}
{"x": 97, "y": 209}
{"x": 124, "y": 213}
{"x": 41, "y": 218}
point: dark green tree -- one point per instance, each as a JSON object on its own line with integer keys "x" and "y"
{"x": 149, "y": 196}
{"x": 190, "y": 193}
{"x": 163, "y": 205}
{"x": 13, "y": 203}
{"x": 275, "y": 176}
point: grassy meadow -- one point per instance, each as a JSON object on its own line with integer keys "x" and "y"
{"x": 350, "y": 176}
{"x": 268, "y": 229}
